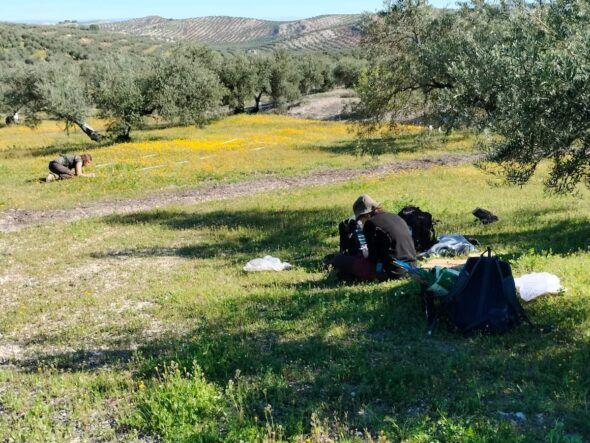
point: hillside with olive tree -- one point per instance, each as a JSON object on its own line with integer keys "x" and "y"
{"x": 30, "y": 44}
{"x": 327, "y": 32}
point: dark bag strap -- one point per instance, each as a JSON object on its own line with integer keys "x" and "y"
{"x": 431, "y": 310}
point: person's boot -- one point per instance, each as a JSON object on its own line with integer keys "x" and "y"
{"x": 51, "y": 177}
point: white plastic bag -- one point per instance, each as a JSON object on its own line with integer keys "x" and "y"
{"x": 267, "y": 263}
{"x": 530, "y": 286}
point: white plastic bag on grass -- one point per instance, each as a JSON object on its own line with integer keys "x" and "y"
{"x": 530, "y": 286}
{"x": 267, "y": 263}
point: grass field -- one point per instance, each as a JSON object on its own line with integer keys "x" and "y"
{"x": 144, "y": 327}
{"x": 232, "y": 149}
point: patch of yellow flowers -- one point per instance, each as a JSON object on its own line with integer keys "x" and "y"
{"x": 242, "y": 143}
{"x": 234, "y": 145}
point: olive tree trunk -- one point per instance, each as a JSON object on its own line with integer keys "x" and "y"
{"x": 257, "y": 98}
{"x": 94, "y": 136}
{"x": 13, "y": 118}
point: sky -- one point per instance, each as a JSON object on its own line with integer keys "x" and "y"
{"x": 58, "y": 10}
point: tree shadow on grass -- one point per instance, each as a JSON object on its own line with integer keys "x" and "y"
{"x": 560, "y": 237}
{"x": 332, "y": 348}
{"x": 397, "y": 144}
{"x": 71, "y": 146}
{"x": 305, "y": 236}
{"x": 302, "y": 236}
{"x": 262, "y": 322}
{"x": 67, "y": 147}
{"x": 358, "y": 352}
{"x": 361, "y": 353}
{"x": 372, "y": 146}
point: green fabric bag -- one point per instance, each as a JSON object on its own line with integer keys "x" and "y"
{"x": 438, "y": 280}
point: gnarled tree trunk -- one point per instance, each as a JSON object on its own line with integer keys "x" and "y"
{"x": 125, "y": 135}
{"x": 12, "y": 119}
{"x": 94, "y": 136}
{"x": 257, "y": 98}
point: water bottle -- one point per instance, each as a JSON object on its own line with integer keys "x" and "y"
{"x": 362, "y": 241}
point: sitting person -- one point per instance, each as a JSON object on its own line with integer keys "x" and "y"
{"x": 68, "y": 166}
{"x": 370, "y": 243}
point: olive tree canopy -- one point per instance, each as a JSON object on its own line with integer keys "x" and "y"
{"x": 186, "y": 87}
{"x": 56, "y": 89}
{"x": 182, "y": 87}
{"x": 121, "y": 93}
{"x": 518, "y": 69}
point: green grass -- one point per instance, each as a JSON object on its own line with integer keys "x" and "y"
{"x": 144, "y": 325}
{"x": 189, "y": 157}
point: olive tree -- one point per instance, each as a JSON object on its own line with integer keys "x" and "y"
{"x": 56, "y": 89}
{"x": 262, "y": 72}
{"x": 347, "y": 71}
{"x": 408, "y": 45}
{"x": 284, "y": 79}
{"x": 183, "y": 87}
{"x": 239, "y": 77}
{"x": 518, "y": 69}
{"x": 121, "y": 93}
{"x": 186, "y": 88}
{"x": 4, "y": 106}
{"x": 532, "y": 88}
{"x": 315, "y": 72}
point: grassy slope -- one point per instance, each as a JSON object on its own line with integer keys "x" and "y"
{"x": 190, "y": 157}
{"x": 167, "y": 286}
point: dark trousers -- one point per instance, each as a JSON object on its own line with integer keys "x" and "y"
{"x": 60, "y": 170}
{"x": 359, "y": 268}
{"x": 354, "y": 267}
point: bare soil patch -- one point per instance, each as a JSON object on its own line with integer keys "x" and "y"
{"x": 16, "y": 219}
{"x": 332, "y": 105}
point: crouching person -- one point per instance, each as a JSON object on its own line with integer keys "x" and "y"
{"x": 370, "y": 242}
{"x": 68, "y": 166}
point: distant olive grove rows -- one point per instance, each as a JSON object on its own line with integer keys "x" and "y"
{"x": 44, "y": 74}
{"x": 326, "y": 32}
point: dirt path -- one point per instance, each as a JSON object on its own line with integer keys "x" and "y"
{"x": 16, "y": 219}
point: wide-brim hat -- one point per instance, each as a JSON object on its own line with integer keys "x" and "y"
{"x": 364, "y": 205}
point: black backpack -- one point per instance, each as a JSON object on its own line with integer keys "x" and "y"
{"x": 422, "y": 226}
{"x": 348, "y": 242}
{"x": 483, "y": 299}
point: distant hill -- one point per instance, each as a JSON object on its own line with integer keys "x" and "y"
{"x": 317, "y": 33}
{"x": 31, "y": 43}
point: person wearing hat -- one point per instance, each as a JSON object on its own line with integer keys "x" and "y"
{"x": 387, "y": 237}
